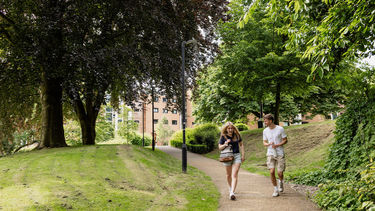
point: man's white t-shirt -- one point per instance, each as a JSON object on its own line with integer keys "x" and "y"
{"x": 274, "y": 136}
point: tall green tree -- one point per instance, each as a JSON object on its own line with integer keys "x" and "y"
{"x": 255, "y": 68}
{"x": 325, "y": 32}
{"x": 87, "y": 49}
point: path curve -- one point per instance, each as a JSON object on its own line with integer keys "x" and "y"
{"x": 254, "y": 192}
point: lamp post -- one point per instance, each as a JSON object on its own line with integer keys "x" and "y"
{"x": 260, "y": 121}
{"x": 153, "y": 132}
{"x": 143, "y": 124}
{"x": 184, "y": 149}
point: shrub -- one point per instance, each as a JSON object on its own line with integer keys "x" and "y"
{"x": 206, "y": 134}
{"x": 176, "y": 143}
{"x": 201, "y": 139}
{"x": 197, "y": 148}
{"x": 351, "y": 194}
{"x": 177, "y": 137}
{"x": 138, "y": 139}
{"x": 241, "y": 126}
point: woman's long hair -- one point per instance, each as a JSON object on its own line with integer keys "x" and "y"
{"x": 224, "y": 131}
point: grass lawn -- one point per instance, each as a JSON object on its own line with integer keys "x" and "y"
{"x": 306, "y": 149}
{"x": 102, "y": 177}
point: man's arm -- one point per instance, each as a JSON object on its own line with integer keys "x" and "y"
{"x": 265, "y": 143}
{"x": 284, "y": 141}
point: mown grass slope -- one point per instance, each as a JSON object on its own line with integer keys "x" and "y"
{"x": 306, "y": 149}
{"x": 110, "y": 177}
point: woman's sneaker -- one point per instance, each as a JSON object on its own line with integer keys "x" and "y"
{"x": 232, "y": 196}
{"x": 275, "y": 193}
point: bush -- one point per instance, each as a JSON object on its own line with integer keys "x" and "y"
{"x": 197, "y": 148}
{"x": 349, "y": 195}
{"x": 176, "y": 139}
{"x": 241, "y": 126}
{"x": 176, "y": 143}
{"x": 201, "y": 139}
{"x": 138, "y": 139}
{"x": 206, "y": 134}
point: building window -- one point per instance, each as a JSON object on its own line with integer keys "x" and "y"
{"x": 165, "y": 121}
{"x": 119, "y": 120}
{"x": 109, "y": 117}
{"x": 165, "y": 111}
{"x": 174, "y": 122}
{"x": 174, "y": 111}
{"x": 108, "y": 109}
{"x": 156, "y": 110}
{"x": 174, "y": 100}
{"x": 155, "y": 121}
{"x": 165, "y": 99}
{"x": 156, "y": 99}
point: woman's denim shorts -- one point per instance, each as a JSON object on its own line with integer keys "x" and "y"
{"x": 237, "y": 159}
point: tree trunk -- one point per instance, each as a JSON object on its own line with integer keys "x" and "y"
{"x": 88, "y": 130}
{"x": 277, "y": 105}
{"x": 87, "y": 116}
{"x": 52, "y": 113}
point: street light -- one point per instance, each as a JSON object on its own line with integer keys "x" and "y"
{"x": 184, "y": 149}
{"x": 153, "y": 132}
{"x": 143, "y": 124}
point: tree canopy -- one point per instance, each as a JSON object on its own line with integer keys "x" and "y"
{"x": 255, "y": 68}
{"x": 325, "y": 32}
{"x": 81, "y": 50}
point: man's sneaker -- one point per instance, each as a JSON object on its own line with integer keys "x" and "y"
{"x": 275, "y": 193}
{"x": 232, "y": 196}
{"x": 281, "y": 186}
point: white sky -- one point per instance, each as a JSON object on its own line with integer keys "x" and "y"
{"x": 370, "y": 60}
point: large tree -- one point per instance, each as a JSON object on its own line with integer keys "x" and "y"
{"x": 254, "y": 67}
{"x": 88, "y": 49}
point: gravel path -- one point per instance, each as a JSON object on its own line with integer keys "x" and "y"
{"x": 254, "y": 192}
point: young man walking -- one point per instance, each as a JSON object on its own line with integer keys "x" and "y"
{"x": 274, "y": 138}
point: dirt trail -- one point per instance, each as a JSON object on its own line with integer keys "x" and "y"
{"x": 254, "y": 192}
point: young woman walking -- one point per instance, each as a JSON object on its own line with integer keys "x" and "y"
{"x": 230, "y": 137}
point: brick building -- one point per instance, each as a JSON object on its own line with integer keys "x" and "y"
{"x": 142, "y": 114}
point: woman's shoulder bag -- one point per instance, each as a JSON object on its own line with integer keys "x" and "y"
{"x": 226, "y": 154}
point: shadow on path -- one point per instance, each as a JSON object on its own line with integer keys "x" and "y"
{"x": 254, "y": 192}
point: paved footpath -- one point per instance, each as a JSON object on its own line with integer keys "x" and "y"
{"x": 254, "y": 192}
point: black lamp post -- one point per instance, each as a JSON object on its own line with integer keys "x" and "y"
{"x": 184, "y": 149}
{"x": 143, "y": 124}
{"x": 153, "y": 132}
{"x": 260, "y": 121}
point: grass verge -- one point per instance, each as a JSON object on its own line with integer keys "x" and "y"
{"x": 106, "y": 177}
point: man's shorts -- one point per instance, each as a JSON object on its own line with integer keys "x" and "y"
{"x": 237, "y": 159}
{"x": 278, "y": 162}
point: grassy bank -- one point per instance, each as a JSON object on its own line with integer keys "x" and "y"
{"x": 110, "y": 177}
{"x": 306, "y": 149}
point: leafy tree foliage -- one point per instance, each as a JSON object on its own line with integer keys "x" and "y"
{"x": 255, "y": 68}
{"x": 325, "y": 32}
{"x": 84, "y": 49}
{"x": 163, "y": 131}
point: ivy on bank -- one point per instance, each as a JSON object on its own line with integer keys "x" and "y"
{"x": 347, "y": 181}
